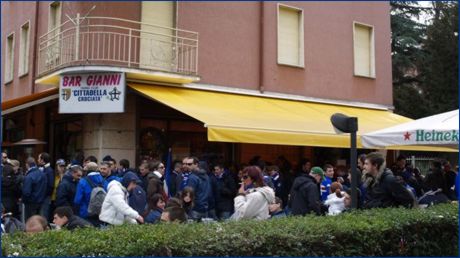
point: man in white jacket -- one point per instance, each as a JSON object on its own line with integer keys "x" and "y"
{"x": 115, "y": 209}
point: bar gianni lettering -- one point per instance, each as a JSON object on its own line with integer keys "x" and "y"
{"x": 92, "y": 93}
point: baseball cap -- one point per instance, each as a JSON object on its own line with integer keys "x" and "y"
{"x": 60, "y": 162}
{"x": 128, "y": 178}
{"x": 318, "y": 171}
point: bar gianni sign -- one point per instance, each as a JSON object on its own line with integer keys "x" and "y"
{"x": 92, "y": 93}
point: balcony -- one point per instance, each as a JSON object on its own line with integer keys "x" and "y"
{"x": 138, "y": 48}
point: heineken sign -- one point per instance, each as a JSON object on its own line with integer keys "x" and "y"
{"x": 437, "y": 130}
{"x": 432, "y": 137}
{"x": 92, "y": 93}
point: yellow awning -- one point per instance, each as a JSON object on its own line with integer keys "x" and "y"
{"x": 252, "y": 119}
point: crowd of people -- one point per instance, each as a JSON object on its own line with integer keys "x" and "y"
{"x": 93, "y": 194}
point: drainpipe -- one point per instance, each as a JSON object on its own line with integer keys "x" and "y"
{"x": 35, "y": 41}
{"x": 261, "y": 47}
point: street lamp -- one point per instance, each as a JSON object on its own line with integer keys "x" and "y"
{"x": 346, "y": 124}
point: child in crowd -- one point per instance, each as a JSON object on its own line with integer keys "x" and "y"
{"x": 335, "y": 200}
{"x": 156, "y": 207}
{"x": 188, "y": 198}
{"x": 275, "y": 208}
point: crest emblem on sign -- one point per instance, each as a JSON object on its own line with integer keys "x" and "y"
{"x": 66, "y": 94}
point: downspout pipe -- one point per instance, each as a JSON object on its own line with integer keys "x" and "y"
{"x": 35, "y": 42}
{"x": 261, "y": 46}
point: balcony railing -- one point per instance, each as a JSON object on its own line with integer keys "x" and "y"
{"x": 118, "y": 42}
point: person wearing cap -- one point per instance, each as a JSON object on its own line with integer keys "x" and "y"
{"x": 60, "y": 170}
{"x": 115, "y": 209}
{"x": 305, "y": 195}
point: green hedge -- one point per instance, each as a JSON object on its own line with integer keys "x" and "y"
{"x": 378, "y": 232}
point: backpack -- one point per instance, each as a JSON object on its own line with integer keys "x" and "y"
{"x": 96, "y": 198}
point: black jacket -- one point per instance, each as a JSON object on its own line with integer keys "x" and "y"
{"x": 66, "y": 191}
{"x": 11, "y": 183}
{"x": 49, "y": 172}
{"x": 77, "y": 222}
{"x": 305, "y": 196}
{"x": 387, "y": 192}
{"x": 225, "y": 192}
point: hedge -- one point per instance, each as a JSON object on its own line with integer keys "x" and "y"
{"x": 378, "y": 232}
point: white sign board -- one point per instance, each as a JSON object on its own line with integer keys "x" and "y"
{"x": 92, "y": 93}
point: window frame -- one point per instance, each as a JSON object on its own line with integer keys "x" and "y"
{"x": 9, "y": 60}
{"x": 372, "y": 69}
{"x": 301, "y": 63}
{"x": 54, "y": 46}
{"x": 23, "y": 68}
{"x": 58, "y": 14}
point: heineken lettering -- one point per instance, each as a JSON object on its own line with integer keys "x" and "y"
{"x": 436, "y": 136}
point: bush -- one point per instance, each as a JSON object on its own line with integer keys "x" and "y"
{"x": 377, "y": 232}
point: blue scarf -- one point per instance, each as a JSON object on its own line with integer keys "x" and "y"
{"x": 184, "y": 180}
{"x": 247, "y": 187}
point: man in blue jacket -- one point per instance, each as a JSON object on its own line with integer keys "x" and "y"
{"x": 201, "y": 183}
{"x": 107, "y": 173}
{"x": 34, "y": 189}
{"x": 326, "y": 183}
{"x": 83, "y": 194}
{"x": 44, "y": 163}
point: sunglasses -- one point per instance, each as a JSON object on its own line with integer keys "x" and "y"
{"x": 188, "y": 164}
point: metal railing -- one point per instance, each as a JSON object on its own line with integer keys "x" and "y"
{"x": 423, "y": 163}
{"x": 118, "y": 42}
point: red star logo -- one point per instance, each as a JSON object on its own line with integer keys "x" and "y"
{"x": 407, "y": 136}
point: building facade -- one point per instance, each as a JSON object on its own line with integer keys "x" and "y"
{"x": 220, "y": 80}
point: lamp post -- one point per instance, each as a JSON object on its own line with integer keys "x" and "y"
{"x": 348, "y": 124}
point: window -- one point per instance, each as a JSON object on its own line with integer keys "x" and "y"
{"x": 364, "y": 57}
{"x": 54, "y": 21}
{"x": 24, "y": 50}
{"x": 9, "y": 62}
{"x": 290, "y": 36}
{"x": 55, "y": 15}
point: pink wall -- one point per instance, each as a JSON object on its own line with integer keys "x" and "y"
{"x": 14, "y": 15}
{"x": 228, "y": 40}
{"x": 229, "y": 48}
{"x": 229, "y": 45}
